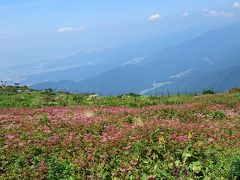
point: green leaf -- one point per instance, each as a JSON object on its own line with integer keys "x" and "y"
{"x": 177, "y": 163}
{"x": 170, "y": 166}
{"x": 196, "y": 167}
{"x": 186, "y": 155}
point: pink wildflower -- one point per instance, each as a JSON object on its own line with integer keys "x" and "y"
{"x": 9, "y": 136}
{"x": 47, "y": 130}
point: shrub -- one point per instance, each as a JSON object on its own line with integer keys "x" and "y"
{"x": 130, "y": 119}
{"x": 217, "y": 115}
{"x": 130, "y": 94}
{"x": 60, "y": 170}
{"x": 49, "y": 90}
{"x": 234, "y": 90}
{"x": 235, "y": 169}
{"x": 208, "y": 91}
{"x": 78, "y": 98}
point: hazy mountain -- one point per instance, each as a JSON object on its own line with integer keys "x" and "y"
{"x": 63, "y": 85}
{"x": 84, "y": 65}
{"x": 193, "y": 64}
{"x": 220, "y": 80}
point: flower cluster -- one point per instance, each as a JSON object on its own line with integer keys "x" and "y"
{"x": 99, "y": 142}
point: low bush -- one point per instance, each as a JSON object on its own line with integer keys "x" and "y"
{"x": 234, "y": 90}
{"x": 208, "y": 91}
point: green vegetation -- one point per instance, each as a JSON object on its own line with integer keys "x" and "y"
{"x": 234, "y": 90}
{"x": 208, "y": 91}
{"x": 22, "y": 97}
{"x": 53, "y": 135}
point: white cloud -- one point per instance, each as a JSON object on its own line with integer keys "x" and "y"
{"x": 236, "y": 4}
{"x": 71, "y": 29}
{"x": 185, "y": 14}
{"x": 215, "y": 13}
{"x": 154, "y": 17}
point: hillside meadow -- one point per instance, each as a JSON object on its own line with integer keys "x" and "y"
{"x": 48, "y": 135}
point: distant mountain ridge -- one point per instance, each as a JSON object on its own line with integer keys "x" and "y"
{"x": 210, "y": 60}
{"x": 84, "y": 65}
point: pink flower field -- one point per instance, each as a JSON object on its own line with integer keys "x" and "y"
{"x": 191, "y": 140}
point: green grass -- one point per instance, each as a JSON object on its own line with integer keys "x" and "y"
{"x": 36, "y": 99}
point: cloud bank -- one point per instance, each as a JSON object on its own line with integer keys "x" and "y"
{"x": 215, "y": 13}
{"x": 236, "y": 4}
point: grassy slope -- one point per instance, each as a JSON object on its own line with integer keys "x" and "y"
{"x": 25, "y": 98}
{"x": 57, "y": 135}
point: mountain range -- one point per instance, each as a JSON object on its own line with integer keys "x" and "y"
{"x": 183, "y": 61}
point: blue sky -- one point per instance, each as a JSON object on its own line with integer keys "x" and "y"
{"x": 65, "y": 26}
{"x": 24, "y": 17}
